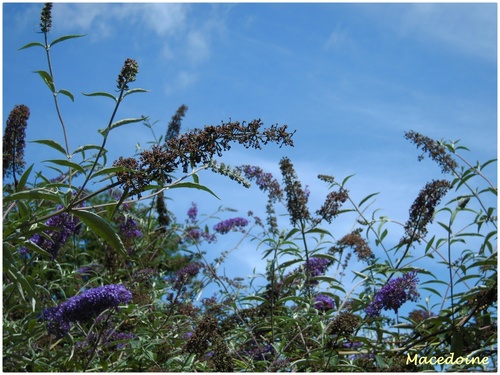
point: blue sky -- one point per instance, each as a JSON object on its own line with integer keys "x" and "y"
{"x": 349, "y": 77}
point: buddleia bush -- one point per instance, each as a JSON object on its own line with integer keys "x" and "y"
{"x": 108, "y": 278}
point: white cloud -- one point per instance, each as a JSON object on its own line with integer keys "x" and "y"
{"x": 162, "y": 18}
{"x": 337, "y": 39}
{"x": 198, "y": 46}
{"x": 468, "y": 28}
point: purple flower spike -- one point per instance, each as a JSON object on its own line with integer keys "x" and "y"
{"x": 394, "y": 294}
{"x": 185, "y": 274}
{"x": 323, "y": 303}
{"x": 64, "y": 224}
{"x": 227, "y": 225}
{"x": 317, "y": 267}
{"x": 84, "y": 307}
{"x": 192, "y": 212}
{"x": 130, "y": 229}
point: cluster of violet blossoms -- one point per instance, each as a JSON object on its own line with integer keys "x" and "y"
{"x": 394, "y": 294}
{"x": 130, "y": 229}
{"x": 316, "y": 267}
{"x": 323, "y": 302}
{"x": 227, "y": 225}
{"x": 65, "y": 225}
{"x": 84, "y": 307}
{"x": 186, "y": 273}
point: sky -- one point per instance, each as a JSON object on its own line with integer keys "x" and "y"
{"x": 350, "y": 78}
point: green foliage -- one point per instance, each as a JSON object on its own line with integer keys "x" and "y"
{"x": 311, "y": 310}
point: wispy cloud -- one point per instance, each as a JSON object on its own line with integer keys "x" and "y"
{"x": 162, "y": 18}
{"x": 337, "y": 39}
{"x": 464, "y": 27}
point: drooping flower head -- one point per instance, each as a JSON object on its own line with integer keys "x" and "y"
{"x": 227, "y": 225}
{"x": 423, "y": 208}
{"x": 84, "y": 307}
{"x": 394, "y": 294}
{"x": 265, "y": 181}
{"x": 14, "y": 140}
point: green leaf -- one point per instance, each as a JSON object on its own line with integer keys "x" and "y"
{"x": 47, "y": 79}
{"x": 24, "y": 178}
{"x": 33, "y": 194}
{"x": 107, "y": 171}
{"x": 101, "y": 93}
{"x": 360, "y": 274}
{"x": 133, "y": 91}
{"x": 192, "y": 185}
{"x": 126, "y": 121}
{"x": 319, "y": 230}
{"x": 253, "y": 298}
{"x": 432, "y": 290}
{"x": 33, "y": 44}
{"x": 49, "y": 142}
{"x": 87, "y": 147}
{"x": 65, "y": 37}
{"x": 37, "y": 249}
{"x": 102, "y": 228}
{"x": 22, "y": 284}
{"x": 346, "y": 179}
{"x": 383, "y": 235}
{"x": 67, "y": 93}
{"x": 67, "y": 163}
{"x": 366, "y": 198}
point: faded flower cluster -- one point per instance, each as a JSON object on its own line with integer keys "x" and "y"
{"x": 193, "y": 148}
{"x": 14, "y": 140}
{"x": 296, "y": 197}
{"x": 422, "y": 210}
{"x": 128, "y": 74}
{"x": 436, "y": 150}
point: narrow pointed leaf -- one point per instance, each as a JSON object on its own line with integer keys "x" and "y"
{"x": 102, "y": 228}
{"x": 32, "y": 44}
{"x": 46, "y": 78}
{"x": 67, "y": 163}
{"x": 101, "y": 93}
{"x": 49, "y": 142}
{"x": 24, "y": 178}
{"x": 126, "y": 121}
{"x": 65, "y": 37}
{"x": 87, "y": 147}
{"x": 33, "y": 194}
{"x": 133, "y": 91}
{"x": 191, "y": 185}
{"x": 67, "y": 93}
{"x": 107, "y": 171}
{"x": 366, "y": 198}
